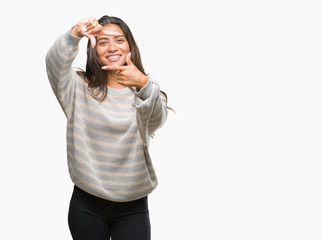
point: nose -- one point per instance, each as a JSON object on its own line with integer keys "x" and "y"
{"x": 112, "y": 47}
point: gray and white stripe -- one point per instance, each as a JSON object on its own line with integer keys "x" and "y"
{"x": 107, "y": 142}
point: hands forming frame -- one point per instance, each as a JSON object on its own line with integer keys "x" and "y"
{"x": 129, "y": 75}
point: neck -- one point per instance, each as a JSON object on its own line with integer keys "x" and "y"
{"x": 112, "y": 80}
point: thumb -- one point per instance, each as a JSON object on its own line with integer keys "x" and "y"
{"x": 91, "y": 37}
{"x": 128, "y": 59}
{"x": 93, "y": 40}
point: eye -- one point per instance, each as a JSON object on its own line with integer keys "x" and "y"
{"x": 102, "y": 43}
{"x": 120, "y": 40}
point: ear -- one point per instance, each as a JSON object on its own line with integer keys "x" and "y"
{"x": 128, "y": 59}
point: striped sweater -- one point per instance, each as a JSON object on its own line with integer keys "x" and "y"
{"x": 107, "y": 142}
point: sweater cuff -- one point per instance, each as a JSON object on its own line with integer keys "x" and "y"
{"x": 146, "y": 91}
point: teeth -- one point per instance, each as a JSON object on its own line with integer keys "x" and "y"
{"x": 114, "y": 57}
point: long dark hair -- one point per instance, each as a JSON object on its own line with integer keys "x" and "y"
{"x": 94, "y": 75}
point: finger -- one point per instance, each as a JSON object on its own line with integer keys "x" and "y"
{"x": 93, "y": 25}
{"x": 92, "y": 39}
{"x": 125, "y": 83}
{"x": 114, "y": 68}
{"x": 94, "y": 31}
{"x": 109, "y": 33}
{"x": 128, "y": 59}
{"x": 86, "y": 22}
{"x": 90, "y": 24}
{"x": 91, "y": 21}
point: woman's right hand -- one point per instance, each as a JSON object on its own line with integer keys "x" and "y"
{"x": 90, "y": 27}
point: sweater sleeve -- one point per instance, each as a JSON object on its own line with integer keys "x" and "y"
{"x": 151, "y": 108}
{"x": 60, "y": 73}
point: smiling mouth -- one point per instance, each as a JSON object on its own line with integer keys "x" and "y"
{"x": 114, "y": 57}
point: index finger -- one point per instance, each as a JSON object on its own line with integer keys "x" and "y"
{"x": 108, "y": 33}
{"x": 114, "y": 68}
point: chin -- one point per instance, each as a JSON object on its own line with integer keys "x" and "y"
{"x": 119, "y": 63}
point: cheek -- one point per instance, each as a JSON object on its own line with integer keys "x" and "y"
{"x": 99, "y": 52}
{"x": 125, "y": 48}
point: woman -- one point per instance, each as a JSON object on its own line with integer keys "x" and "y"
{"x": 112, "y": 109}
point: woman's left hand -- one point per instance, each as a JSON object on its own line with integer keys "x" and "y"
{"x": 129, "y": 75}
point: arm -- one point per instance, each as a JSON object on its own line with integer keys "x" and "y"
{"x": 149, "y": 101}
{"x": 151, "y": 107}
{"x": 61, "y": 55}
{"x": 60, "y": 72}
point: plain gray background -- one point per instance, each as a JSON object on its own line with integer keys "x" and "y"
{"x": 241, "y": 159}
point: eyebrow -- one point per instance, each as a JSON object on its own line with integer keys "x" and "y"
{"x": 105, "y": 38}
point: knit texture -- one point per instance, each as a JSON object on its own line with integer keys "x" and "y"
{"x": 107, "y": 143}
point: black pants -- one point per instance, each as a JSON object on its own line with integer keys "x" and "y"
{"x": 93, "y": 218}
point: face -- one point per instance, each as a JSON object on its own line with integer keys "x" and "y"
{"x": 111, "y": 50}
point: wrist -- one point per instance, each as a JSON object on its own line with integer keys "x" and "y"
{"x": 146, "y": 91}
{"x": 76, "y": 33}
{"x": 143, "y": 81}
